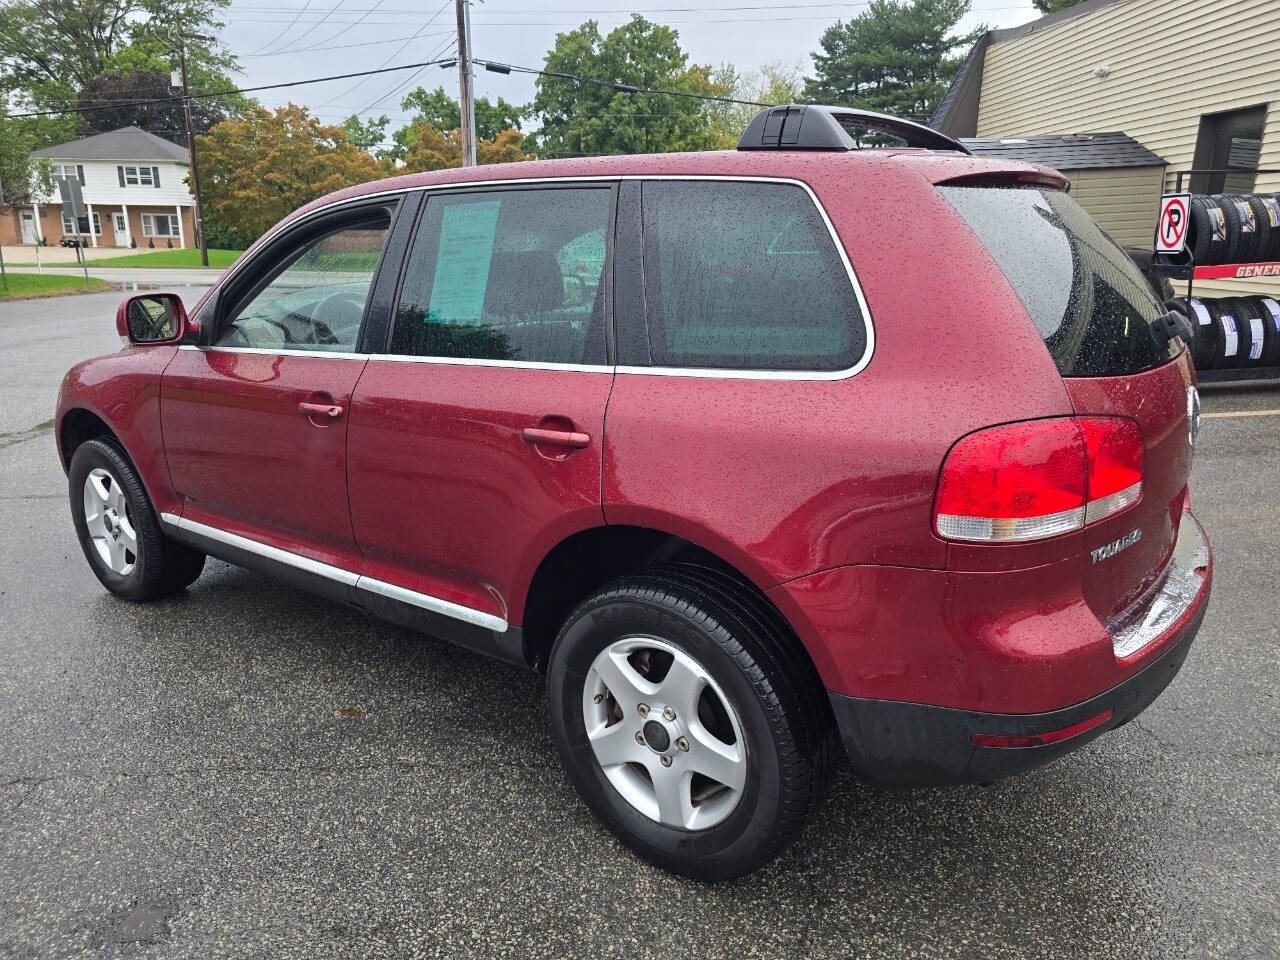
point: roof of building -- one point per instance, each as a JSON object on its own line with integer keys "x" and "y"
{"x": 127, "y": 143}
{"x": 957, "y": 111}
{"x": 1077, "y": 151}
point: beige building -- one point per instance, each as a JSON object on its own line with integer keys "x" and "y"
{"x": 1195, "y": 82}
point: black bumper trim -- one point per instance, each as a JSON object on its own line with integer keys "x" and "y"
{"x": 913, "y": 744}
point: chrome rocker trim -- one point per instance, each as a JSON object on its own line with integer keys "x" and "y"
{"x": 424, "y": 601}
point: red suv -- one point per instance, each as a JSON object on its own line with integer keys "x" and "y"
{"x": 746, "y": 451}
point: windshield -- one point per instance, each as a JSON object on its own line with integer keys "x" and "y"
{"x": 1090, "y": 303}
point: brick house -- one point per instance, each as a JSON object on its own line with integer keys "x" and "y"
{"x": 135, "y": 192}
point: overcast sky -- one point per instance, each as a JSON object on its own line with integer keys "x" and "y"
{"x": 281, "y": 40}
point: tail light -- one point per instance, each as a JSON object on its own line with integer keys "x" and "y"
{"x": 1040, "y": 478}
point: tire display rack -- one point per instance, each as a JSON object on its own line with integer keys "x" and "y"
{"x": 1184, "y": 268}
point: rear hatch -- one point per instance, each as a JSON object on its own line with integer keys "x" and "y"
{"x": 1095, "y": 310}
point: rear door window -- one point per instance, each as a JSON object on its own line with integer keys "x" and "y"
{"x": 745, "y": 275}
{"x": 1089, "y": 301}
{"x": 508, "y": 275}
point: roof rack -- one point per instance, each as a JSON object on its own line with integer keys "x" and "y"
{"x": 810, "y": 127}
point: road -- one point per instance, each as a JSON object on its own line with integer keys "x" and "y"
{"x": 246, "y": 771}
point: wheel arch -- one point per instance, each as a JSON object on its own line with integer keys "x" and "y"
{"x": 585, "y": 560}
{"x": 78, "y": 425}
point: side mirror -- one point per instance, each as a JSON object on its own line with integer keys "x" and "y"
{"x": 153, "y": 318}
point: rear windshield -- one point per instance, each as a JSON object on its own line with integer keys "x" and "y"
{"x": 1091, "y": 304}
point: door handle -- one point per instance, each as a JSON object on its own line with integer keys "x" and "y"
{"x": 330, "y": 410}
{"x": 556, "y": 438}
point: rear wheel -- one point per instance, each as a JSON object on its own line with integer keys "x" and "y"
{"x": 688, "y": 721}
{"x": 118, "y": 528}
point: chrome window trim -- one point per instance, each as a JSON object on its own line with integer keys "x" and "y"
{"x": 707, "y": 372}
{"x": 425, "y": 601}
{"x": 330, "y": 354}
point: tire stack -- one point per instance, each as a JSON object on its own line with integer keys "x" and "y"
{"x": 1234, "y": 228}
{"x": 1232, "y": 332}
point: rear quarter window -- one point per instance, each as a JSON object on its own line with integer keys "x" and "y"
{"x": 746, "y": 276}
{"x": 1089, "y": 301}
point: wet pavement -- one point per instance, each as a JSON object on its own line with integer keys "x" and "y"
{"x": 247, "y": 771}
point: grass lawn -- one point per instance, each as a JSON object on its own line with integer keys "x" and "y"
{"x": 189, "y": 257}
{"x": 24, "y": 286}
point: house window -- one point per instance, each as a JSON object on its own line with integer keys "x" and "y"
{"x": 159, "y": 225}
{"x": 69, "y": 227}
{"x": 68, "y": 171}
{"x": 1228, "y": 144}
{"x": 137, "y": 176}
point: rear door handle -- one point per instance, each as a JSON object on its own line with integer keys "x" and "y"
{"x": 329, "y": 411}
{"x": 557, "y": 438}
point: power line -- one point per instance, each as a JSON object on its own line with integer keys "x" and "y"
{"x": 400, "y": 49}
{"x": 272, "y": 41}
{"x": 229, "y": 93}
{"x": 340, "y": 46}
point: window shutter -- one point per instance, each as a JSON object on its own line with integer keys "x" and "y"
{"x": 80, "y": 173}
{"x": 155, "y": 176}
{"x": 120, "y": 174}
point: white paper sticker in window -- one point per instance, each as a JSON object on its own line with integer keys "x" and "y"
{"x": 1233, "y": 338}
{"x": 462, "y": 262}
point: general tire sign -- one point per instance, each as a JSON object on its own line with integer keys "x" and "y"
{"x": 1171, "y": 228}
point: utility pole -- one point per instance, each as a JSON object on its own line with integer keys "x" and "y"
{"x": 191, "y": 146}
{"x": 466, "y": 96}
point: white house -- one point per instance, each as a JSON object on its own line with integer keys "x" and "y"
{"x": 135, "y": 191}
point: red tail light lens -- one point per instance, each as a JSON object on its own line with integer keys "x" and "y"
{"x": 1113, "y": 447}
{"x": 1037, "y": 479}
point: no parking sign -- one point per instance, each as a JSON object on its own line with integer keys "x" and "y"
{"x": 1171, "y": 228}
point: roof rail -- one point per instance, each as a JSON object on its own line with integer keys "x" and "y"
{"x": 811, "y": 127}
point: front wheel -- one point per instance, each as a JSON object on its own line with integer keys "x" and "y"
{"x": 119, "y": 531}
{"x": 689, "y": 721}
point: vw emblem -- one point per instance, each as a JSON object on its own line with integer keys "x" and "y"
{"x": 1193, "y": 414}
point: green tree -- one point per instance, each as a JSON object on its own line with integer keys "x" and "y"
{"x": 896, "y": 57}
{"x": 367, "y": 134}
{"x": 261, "y": 165}
{"x": 21, "y": 174}
{"x": 1053, "y": 6}
{"x": 586, "y": 118}
{"x": 773, "y": 84}
{"x": 51, "y": 50}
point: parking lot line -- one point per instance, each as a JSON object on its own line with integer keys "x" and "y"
{"x": 1243, "y": 413}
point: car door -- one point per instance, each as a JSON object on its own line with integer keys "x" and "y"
{"x": 255, "y": 423}
{"x": 475, "y": 438}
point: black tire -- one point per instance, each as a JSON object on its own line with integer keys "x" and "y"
{"x": 1269, "y": 309}
{"x": 1242, "y": 228}
{"x": 161, "y": 566}
{"x": 1271, "y": 204}
{"x": 771, "y": 686}
{"x": 1203, "y": 339}
{"x": 1209, "y": 232}
{"x": 1265, "y": 236}
{"x": 1223, "y": 322}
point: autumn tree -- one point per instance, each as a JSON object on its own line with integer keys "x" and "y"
{"x": 260, "y": 166}
{"x": 437, "y": 109}
{"x": 433, "y": 149}
{"x": 897, "y": 56}
{"x": 587, "y": 118}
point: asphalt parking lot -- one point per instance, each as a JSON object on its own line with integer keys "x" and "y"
{"x": 246, "y": 771}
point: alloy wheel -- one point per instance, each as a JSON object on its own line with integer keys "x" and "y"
{"x": 664, "y": 733}
{"x": 109, "y": 522}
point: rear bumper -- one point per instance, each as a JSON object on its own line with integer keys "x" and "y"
{"x": 915, "y": 744}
